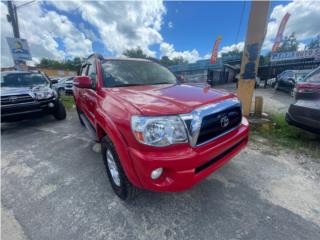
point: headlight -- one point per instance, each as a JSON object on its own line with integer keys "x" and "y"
{"x": 44, "y": 95}
{"x": 158, "y": 131}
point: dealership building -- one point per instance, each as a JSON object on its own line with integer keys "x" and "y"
{"x": 226, "y": 68}
{"x": 223, "y": 71}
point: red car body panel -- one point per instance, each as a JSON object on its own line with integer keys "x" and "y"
{"x": 110, "y": 110}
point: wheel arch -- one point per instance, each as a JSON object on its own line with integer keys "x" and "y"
{"x": 105, "y": 127}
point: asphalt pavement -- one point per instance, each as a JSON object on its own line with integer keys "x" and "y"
{"x": 54, "y": 187}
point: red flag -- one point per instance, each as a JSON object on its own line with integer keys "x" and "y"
{"x": 279, "y": 36}
{"x": 215, "y": 49}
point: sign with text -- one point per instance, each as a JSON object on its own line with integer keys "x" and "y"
{"x": 286, "y": 56}
{"x": 19, "y": 49}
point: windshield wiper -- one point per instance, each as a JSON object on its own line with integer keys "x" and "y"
{"x": 162, "y": 83}
{"x": 128, "y": 85}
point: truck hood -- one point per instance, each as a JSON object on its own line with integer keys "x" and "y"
{"x": 9, "y": 91}
{"x": 168, "y": 99}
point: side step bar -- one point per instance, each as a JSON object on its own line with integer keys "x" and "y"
{"x": 89, "y": 127}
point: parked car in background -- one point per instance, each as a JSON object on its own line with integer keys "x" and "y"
{"x": 155, "y": 132}
{"x": 68, "y": 85}
{"x": 305, "y": 112}
{"x": 27, "y": 94}
{"x": 58, "y": 85}
{"x": 257, "y": 84}
{"x": 287, "y": 80}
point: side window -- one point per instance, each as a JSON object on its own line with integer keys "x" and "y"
{"x": 83, "y": 71}
{"x": 92, "y": 74}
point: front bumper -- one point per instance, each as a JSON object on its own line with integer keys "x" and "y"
{"x": 184, "y": 165}
{"x": 28, "y": 109}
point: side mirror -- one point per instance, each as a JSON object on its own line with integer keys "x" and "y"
{"x": 54, "y": 81}
{"x": 181, "y": 78}
{"x": 82, "y": 82}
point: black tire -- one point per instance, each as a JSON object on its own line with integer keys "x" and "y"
{"x": 125, "y": 190}
{"x": 60, "y": 111}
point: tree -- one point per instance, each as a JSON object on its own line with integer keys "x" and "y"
{"x": 73, "y": 65}
{"x": 135, "y": 53}
{"x": 289, "y": 44}
{"x": 315, "y": 43}
{"x": 166, "y": 61}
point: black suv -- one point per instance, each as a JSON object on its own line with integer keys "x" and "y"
{"x": 27, "y": 94}
{"x": 287, "y": 80}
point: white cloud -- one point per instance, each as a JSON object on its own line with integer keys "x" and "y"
{"x": 168, "y": 50}
{"x": 44, "y": 30}
{"x": 239, "y": 46}
{"x": 122, "y": 25}
{"x": 304, "y": 21}
{"x": 170, "y": 24}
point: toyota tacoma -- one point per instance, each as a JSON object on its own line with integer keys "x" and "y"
{"x": 26, "y": 94}
{"x": 155, "y": 132}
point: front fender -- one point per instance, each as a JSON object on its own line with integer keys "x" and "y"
{"x": 108, "y": 127}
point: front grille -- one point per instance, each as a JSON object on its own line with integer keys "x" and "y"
{"x": 14, "y": 99}
{"x": 220, "y": 156}
{"x": 212, "y": 125}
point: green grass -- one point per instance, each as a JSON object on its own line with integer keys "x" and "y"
{"x": 68, "y": 102}
{"x": 283, "y": 135}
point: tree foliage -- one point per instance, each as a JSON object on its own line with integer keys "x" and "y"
{"x": 314, "y": 43}
{"x": 135, "y": 53}
{"x": 72, "y": 65}
{"x": 289, "y": 44}
{"x": 165, "y": 60}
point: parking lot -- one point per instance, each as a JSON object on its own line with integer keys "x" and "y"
{"x": 54, "y": 186}
{"x": 274, "y": 101}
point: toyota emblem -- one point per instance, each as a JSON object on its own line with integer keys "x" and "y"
{"x": 13, "y": 99}
{"x": 224, "y": 121}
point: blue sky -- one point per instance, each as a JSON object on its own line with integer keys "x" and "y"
{"x": 65, "y": 29}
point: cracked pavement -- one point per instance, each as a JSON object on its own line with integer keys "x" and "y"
{"x": 54, "y": 187}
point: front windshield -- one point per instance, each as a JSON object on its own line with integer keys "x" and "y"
{"x": 300, "y": 76}
{"x": 22, "y": 80}
{"x": 120, "y": 73}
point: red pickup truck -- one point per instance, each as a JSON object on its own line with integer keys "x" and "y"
{"x": 156, "y": 133}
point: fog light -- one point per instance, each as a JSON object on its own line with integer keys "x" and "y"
{"x": 51, "y": 105}
{"x": 155, "y": 174}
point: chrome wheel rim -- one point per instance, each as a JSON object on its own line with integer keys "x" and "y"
{"x": 113, "y": 168}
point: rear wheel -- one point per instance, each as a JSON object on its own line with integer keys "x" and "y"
{"x": 117, "y": 177}
{"x": 60, "y": 111}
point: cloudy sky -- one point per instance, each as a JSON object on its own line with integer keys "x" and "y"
{"x": 65, "y": 29}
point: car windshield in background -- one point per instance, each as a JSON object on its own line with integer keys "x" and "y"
{"x": 120, "y": 73}
{"x": 314, "y": 77}
{"x": 300, "y": 76}
{"x": 22, "y": 80}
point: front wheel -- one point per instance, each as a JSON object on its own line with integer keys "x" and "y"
{"x": 117, "y": 177}
{"x": 60, "y": 111}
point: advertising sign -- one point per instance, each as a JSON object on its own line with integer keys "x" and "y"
{"x": 286, "y": 56}
{"x": 215, "y": 49}
{"x": 279, "y": 36}
{"x": 19, "y": 49}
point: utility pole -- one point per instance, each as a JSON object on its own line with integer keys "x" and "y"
{"x": 13, "y": 19}
{"x": 250, "y": 58}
